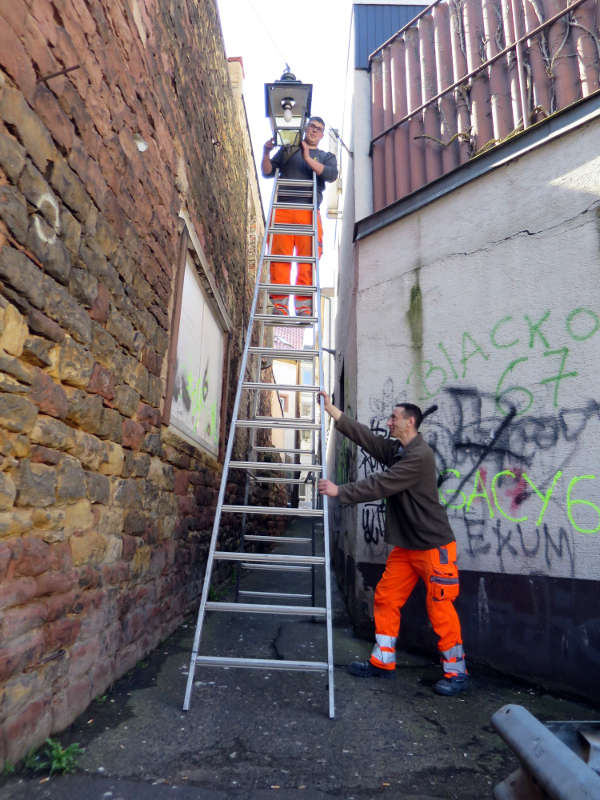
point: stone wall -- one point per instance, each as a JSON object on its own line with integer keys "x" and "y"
{"x": 105, "y": 513}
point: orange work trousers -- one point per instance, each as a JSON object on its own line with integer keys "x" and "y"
{"x": 437, "y": 568}
{"x": 292, "y": 244}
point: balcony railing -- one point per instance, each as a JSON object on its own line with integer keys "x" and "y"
{"x": 466, "y": 75}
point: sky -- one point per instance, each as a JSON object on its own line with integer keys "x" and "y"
{"x": 312, "y": 37}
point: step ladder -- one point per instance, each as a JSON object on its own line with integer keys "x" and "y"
{"x": 259, "y": 352}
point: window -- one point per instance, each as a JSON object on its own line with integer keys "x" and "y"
{"x": 198, "y": 353}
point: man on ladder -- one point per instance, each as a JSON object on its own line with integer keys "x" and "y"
{"x": 297, "y": 163}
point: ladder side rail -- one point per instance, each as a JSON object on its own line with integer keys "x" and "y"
{"x": 324, "y": 475}
{"x": 224, "y": 476}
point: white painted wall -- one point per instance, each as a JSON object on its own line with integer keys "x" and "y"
{"x": 508, "y": 272}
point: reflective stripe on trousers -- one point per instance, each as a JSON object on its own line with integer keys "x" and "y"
{"x": 383, "y": 654}
{"x": 453, "y": 661}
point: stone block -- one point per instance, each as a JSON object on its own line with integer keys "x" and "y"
{"x": 114, "y": 549}
{"x": 71, "y": 231}
{"x": 57, "y": 584}
{"x": 15, "y": 60}
{"x": 52, "y": 115}
{"x": 126, "y": 400}
{"x": 13, "y": 210}
{"x": 17, "y": 591}
{"x": 33, "y": 185}
{"x": 60, "y": 306}
{"x": 19, "y": 691}
{"x": 14, "y": 332}
{"x": 38, "y": 352}
{"x": 17, "y": 413}
{"x": 100, "y": 308}
{"x": 49, "y": 249}
{"x": 83, "y": 286}
{"x": 33, "y": 557}
{"x": 36, "y": 484}
{"x": 148, "y": 417}
{"x": 137, "y": 465}
{"x": 109, "y": 520}
{"x": 20, "y": 653}
{"x": 78, "y": 517}
{"x": 12, "y": 156}
{"x": 17, "y": 621}
{"x": 74, "y": 364}
{"x": 125, "y": 493}
{"x": 23, "y": 275}
{"x": 31, "y": 132}
{"x": 88, "y": 449}
{"x": 121, "y": 328}
{"x": 28, "y": 729}
{"x": 111, "y": 425}
{"x": 97, "y": 487}
{"x": 152, "y": 444}
{"x": 49, "y": 396}
{"x": 51, "y": 432}
{"x": 102, "y": 382}
{"x": 83, "y": 656}
{"x": 45, "y": 455}
{"x": 60, "y": 634}
{"x": 70, "y": 482}
{"x": 19, "y": 370}
{"x": 92, "y": 259}
{"x": 46, "y": 518}
{"x": 85, "y": 411}
{"x": 14, "y": 522}
{"x": 132, "y": 434}
{"x": 115, "y": 458}
{"x": 40, "y": 323}
{"x": 70, "y": 189}
{"x": 87, "y": 548}
{"x": 8, "y": 491}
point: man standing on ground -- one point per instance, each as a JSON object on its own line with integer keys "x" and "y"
{"x": 424, "y": 545}
{"x": 300, "y": 164}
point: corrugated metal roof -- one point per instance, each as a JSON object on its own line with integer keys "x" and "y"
{"x": 374, "y": 24}
{"x": 470, "y": 75}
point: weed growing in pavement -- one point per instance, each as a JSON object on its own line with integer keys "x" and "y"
{"x": 9, "y": 768}
{"x": 53, "y": 757}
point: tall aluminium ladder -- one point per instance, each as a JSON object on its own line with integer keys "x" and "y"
{"x": 253, "y": 359}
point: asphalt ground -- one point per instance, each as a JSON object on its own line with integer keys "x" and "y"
{"x": 267, "y": 734}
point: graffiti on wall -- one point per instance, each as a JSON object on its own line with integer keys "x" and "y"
{"x": 514, "y": 479}
{"x": 530, "y": 349}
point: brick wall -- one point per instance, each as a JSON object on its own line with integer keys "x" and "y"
{"x": 104, "y": 514}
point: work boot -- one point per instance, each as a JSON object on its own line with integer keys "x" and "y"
{"x": 449, "y": 686}
{"x": 279, "y": 307}
{"x": 364, "y": 669}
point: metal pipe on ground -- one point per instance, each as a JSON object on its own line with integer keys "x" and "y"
{"x": 556, "y": 770}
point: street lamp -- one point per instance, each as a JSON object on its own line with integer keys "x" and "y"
{"x": 287, "y": 103}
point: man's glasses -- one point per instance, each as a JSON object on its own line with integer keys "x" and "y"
{"x": 317, "y": 128}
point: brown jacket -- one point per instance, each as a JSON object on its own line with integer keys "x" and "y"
{"x": 415, "y": 518}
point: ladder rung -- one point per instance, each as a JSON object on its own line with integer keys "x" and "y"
{"x": 275, "y": 568}
{"x": 295, "y": 206}
{"x": 289, "y": 259}
{"x": 257, "y": 537}
{"x": 273, "y": 558}
{"x": 282, "y": 320}
{"x": 293, "y": 481}
{"x": 294, "y": 182}
{"x": 292, "y": 230}
{"x": 287, "y": 288}
{"x": 292, "y": 451}
{"x": 279, "y": 422}
{"x": 275, "y": 466}
{"x": 280, "y": 387}
{"x": 285, "y": 595}
{"x": 267, "y": 608}
{"x": 261, "y": 663}
{"x": 274, "y": 352}
{"x": 283, "y": 511}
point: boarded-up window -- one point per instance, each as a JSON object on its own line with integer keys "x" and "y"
{"x": 196, "y": 404}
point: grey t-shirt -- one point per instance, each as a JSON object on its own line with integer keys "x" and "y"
{"x": 295, "y": 167}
